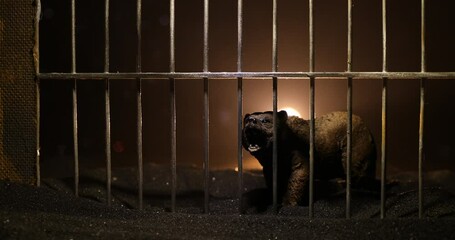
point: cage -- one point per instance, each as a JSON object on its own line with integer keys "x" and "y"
{"x": 123, "y": 119}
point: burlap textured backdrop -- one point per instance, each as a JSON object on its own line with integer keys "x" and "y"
{"x": 17, "y": 91}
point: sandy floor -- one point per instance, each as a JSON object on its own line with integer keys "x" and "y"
{"x": 53, "y": 212}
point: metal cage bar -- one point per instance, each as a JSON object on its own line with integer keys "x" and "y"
{"x": 275, "y": 101}
{"x": 422, "y": 109}
{"x": 206, "y": 108}
{"x": 256, "y": 75}
{"x": 349, "y": 115}
{"x": 206, "y": 146}
{"x": 311, "y": 107}
{"x": 107, "y": 106}
{"x": 36, "y": 56}
{"x": 384, "y": 110}
{"x": 173, "y": 105}
{"x": 240, "y": 102}
{"x": 74, "y": 94}
{"x": 423, "y": 75}
{"x": 140, "y": 160}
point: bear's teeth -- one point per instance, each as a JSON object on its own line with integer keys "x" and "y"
{"x": 253, "y": 147}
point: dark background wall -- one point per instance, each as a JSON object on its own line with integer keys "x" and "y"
{"x": 331, "y": 41}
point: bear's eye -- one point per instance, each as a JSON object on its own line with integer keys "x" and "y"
{"x": 251, "y": 119}
{"x": 265, "y": 120}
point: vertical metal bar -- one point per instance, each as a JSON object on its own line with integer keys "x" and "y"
{"x": 206, "y": 109}
{"x": 349, "y": 115}
{"x": 311, "y": 35}
{"x": 384, "y": 108}
{"x": 384, "y": 35}
{"x": 173, "y": 145}
{"x": 139, "y": 145}
{"x": 108, "y": 142}
{"x": 422, "y": 109}
{"x": 206, "y": 36}
{"x": 349, "y": 150}
{"x": 275, "y": 100}
{"x": 38, "y": 93}
{"x": 421, "y": 147}
{"x": 275, "y": 147}
{"x": 107, "y": 106}
{"x": 206, "y": 145}
{"x": 75, "y": 138}
{"x": 240, "y": 101}
{"x": 106, "y": 37}
{"x": 38, "y": 123}
{"x": 422, "y": 38}
{"x": 73, "y": 36}
{"x": 383, "y": 145}
{"x": 173, "y": 106}
{"x": 311, "y": 106}
{"x": 75, "y": 124}
{"x": 139, "y": 105}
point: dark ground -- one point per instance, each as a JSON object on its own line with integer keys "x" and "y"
{"x": 53, "y": 212}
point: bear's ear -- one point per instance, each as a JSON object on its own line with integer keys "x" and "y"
{"x": 282, "y": 115}
{"x": 246, "y": 116}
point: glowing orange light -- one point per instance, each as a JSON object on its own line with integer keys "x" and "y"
{"x": 291, "y": 111}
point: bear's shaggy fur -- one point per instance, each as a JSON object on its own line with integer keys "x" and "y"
{"x": 330, "y": 150}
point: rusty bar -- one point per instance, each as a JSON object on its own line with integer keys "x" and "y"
{"x": 422, "y": 38}
{"x": 173, "y": 106}
{"x": 239, "y": 141}
{"x": 206, "y": 145}
{"x": 240, "y": 102}
{"x": 140, "y": 160}
{"x": 106, "y": 36}
{"x": 421, "y": 144}
{"x": 73, "y": 36}
{"x": 38, "y": 93}
{"x": 349, "y": 149}
{"x": 140, "y": 167}
{"x": 256, "y": 75}
{"x": 384, "y": 109}
{"x": 173, "y": 145}
{"x": 274, "y": 38}
{"x": 75, "y": 123}
{"x": 206, "y": 109}
{"x": 108, "y": 141}
{"x": 349, "y": 115}
{"x": 422, "y": 109}
{"x": 107, "y": 106}
{"x": 139, "y": 36}
{"x": 383, "y": 145}
{"x": 38, "y": 120}
{"x": 171, "y": 37}
{"x": 75, "y": 138}
{"x": 384, "y": 36}
{"x": 275, "y": 100}
{"x": 206, "y": 37}
{"x": 275, "y": 146}
{"x": 239, "y": 35}
{"x": 311, "y": 110}
{"x": 311, "y": 153}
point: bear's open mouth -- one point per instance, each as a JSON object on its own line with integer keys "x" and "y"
{"x": 253, "y": 148}
{"x": 256, "y": 139}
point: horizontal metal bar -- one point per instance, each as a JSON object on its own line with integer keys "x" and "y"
{"x": 258, "y": 75}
